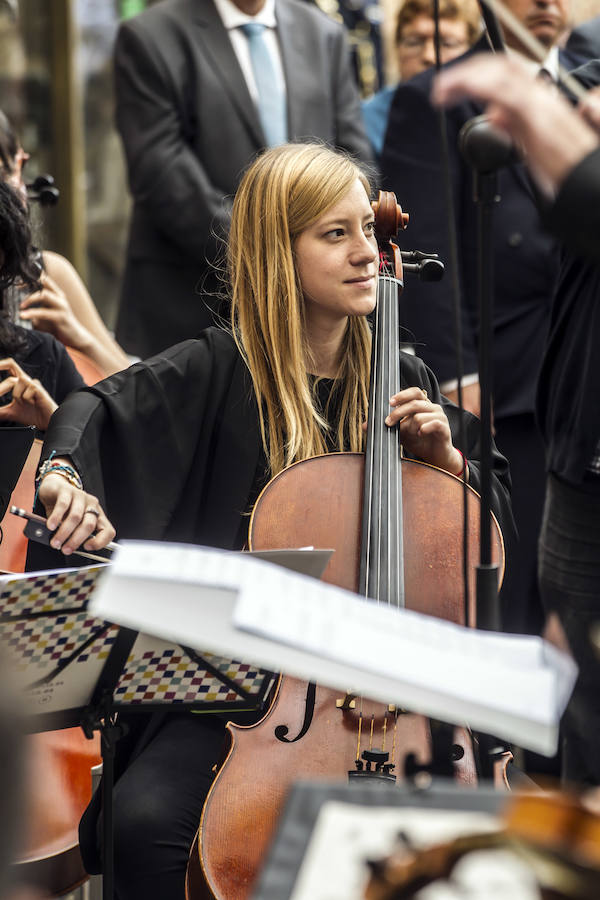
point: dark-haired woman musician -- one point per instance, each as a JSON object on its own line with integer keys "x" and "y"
{"x": 36, "y": 371}
{"x": 187, "y": 440}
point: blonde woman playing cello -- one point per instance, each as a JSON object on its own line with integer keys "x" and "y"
{"x": 189, "y": 438}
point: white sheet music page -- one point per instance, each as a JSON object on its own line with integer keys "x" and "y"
{"x": 444, "y": 670}
{"x": 510, "y": 685}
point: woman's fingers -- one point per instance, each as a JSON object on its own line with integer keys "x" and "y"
{"x": 409, "y": 403}
{"x": 8, "y": 364}
{"x": 412, "y": 393}
{"x": 103, "y": 535}
{"x": 7, "y": 385}
{"x": 84, "y": 529}
{"x": 429, "y": 422}
{"x": 74, "y": 516}
{"x": 39, "y": 315}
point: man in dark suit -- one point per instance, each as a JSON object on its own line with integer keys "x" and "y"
{"x": 188, "y": 114}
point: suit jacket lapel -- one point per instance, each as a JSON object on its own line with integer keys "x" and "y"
{"x": 221, "y": 54}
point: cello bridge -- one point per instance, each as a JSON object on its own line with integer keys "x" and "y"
{"x": 347, "y": 702}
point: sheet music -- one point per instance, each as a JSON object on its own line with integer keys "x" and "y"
{"x": 512, "y": 686}
{"x": 345, "y": 836}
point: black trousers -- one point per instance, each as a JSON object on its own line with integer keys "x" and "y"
{"x": 570, "y": 585}
{"x": 158, "y": 800}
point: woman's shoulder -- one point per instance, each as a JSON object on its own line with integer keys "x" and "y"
{"x": 214, "y": 345}
{"x": 414, "y": 372}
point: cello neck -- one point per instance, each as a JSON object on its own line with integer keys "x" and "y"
{"x": 382, "y": 556}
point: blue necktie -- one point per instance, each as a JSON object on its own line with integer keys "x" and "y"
{"x": 271, "y": 100}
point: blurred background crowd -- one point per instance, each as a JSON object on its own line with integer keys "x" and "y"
{"x": 56, "y": 88}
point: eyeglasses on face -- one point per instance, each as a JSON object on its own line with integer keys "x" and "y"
{"x": 415, "y": 43}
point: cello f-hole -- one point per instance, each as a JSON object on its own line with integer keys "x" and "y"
{"x": 281, "y": 731}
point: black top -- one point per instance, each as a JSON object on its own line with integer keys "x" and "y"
{"x": 172, "y": 447}
{"x": 47, "y": 360}
{"x": 569, "y": 387}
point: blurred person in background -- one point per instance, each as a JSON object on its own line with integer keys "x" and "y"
{"x": 62, "y": 305}
{"x": 525, "y": 271}
{"x": 414, "y": 42}
{"x": 563, "y": 156}
{"x": 36, "y": 373}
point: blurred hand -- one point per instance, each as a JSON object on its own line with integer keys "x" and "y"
{"x": 30, "y": 403}
{"x": 553, "y": 136}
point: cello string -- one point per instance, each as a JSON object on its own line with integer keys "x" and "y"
{"x": 372, "y": 413}
{"x": 369, "y": 461}
{"x": 396, "y": 456}
{"x": 378, "y": 438}
{"x": 389, "y": 441}
{"x": 391, "y": 501}
{"x": 384, "y": 455}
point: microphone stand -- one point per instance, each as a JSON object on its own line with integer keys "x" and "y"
{"x": 485, "y": 150}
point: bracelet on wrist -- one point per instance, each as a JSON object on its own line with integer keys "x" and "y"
{"x": 54, "y": 467}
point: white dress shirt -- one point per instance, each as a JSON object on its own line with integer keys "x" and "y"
{"x": 233, "y": 18}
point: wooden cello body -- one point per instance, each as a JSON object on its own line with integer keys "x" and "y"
{"x": 307, "y": 733}
{"x": 312, "y": 732}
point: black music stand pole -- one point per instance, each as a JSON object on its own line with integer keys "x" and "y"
{"x": 110, "y": 732}
{"x": 487, "y": 598}
{"x": 100, "y": 716}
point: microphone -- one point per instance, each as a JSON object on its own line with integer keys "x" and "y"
{"x": 484, "y": 147}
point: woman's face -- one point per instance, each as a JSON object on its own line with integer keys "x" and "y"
{"x": 336, "y": 260}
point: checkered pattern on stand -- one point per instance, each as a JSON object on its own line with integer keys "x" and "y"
{"x": 171, "y": 677}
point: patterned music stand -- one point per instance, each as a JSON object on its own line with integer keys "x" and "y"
{"x": 75, "y": 669}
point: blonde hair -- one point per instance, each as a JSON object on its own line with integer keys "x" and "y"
{"x": 283, "y": 192}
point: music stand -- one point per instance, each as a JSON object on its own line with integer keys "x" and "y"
{"x": 75, "y": 669}
{"x": 279, "y": 877}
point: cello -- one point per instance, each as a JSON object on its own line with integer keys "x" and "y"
{"x": 355, "y": 503}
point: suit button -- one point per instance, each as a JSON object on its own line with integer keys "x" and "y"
{"x": 515, "y": 239}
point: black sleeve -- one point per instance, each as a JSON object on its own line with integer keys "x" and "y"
{"x": 67, "y": 377}
{"x": 414, "y": 372}
{"x": 134, "y": 436}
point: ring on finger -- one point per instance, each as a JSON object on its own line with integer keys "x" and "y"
{"x": 424, "y": 393}
{"x": 92, "y": 511}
